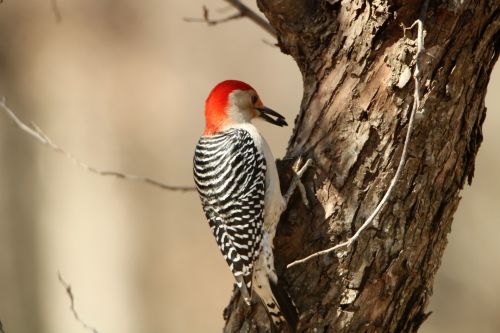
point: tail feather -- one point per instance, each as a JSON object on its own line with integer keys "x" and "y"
{"x": 286, "y": 307}
{"x": 244, "y": 287}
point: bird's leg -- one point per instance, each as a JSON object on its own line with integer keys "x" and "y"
{"x": 298, "y": 171}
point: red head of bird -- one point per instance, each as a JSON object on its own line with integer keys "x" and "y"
{"x": 234, "y": 102}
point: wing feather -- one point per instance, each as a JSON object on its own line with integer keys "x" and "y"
{"x": 230, "y": 174}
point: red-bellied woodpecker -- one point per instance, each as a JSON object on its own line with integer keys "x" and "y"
{"x": 236, "y": 177}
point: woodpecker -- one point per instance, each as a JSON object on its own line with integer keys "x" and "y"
{"x": 237, "y": 180}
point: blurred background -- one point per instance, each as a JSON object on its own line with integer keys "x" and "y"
{"x": 121, "y": 84}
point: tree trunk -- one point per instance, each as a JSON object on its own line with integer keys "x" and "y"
{"x": 356, "y": 63}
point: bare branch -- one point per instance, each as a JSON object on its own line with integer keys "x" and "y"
{"x": 297, "y": 182}
{"x": 36, "y": 133}
{"x": 71, "y": 297}
{"x": 416, "y": 105}
{"x": 206, "y": 18}
{"x": 1, "y": 325}
{"x": 243, "y": 11}
{"x": 253, "y": 16}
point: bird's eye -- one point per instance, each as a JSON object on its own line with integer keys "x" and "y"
{"x": 254, "y": 99}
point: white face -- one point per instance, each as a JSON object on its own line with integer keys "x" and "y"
{"x": 241, "y": 106}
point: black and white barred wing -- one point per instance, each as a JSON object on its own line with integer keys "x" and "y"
{"x": 229, "y": 173}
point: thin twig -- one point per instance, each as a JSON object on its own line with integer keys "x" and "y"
{"x": 36, "y": 133}
{"x": 243, "y": 11}
{"x": 402, "y": 161}
{"x": 297, "y": 182}
{"x": 405, "y": 28}
{"x": 268, "y": 43}
{"x": 206, "y": 18}
{"x": 253, "y": 16}
{"x": 69, "y": 292}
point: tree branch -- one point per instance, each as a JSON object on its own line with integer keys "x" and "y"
{"x": 1, "y": 325}
{"x": 253, "y": 16}
{"x": 415, "y": 106}
{"x": 243, "y": 11}
{"x": 36, "y": 133}
{"x": 71, "y": 297}
{"x": 206, "y": 18}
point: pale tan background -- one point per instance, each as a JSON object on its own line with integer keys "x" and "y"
{"x": 121, "y": 84}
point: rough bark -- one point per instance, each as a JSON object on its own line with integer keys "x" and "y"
{"x": 355, "y": 60}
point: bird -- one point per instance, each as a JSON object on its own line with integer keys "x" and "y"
{"x": 237, "y": 180}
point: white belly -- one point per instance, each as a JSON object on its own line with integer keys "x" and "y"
{"x": 274, "y": 203}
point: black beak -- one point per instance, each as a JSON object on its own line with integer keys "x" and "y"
{"x": 267, "y": 114}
